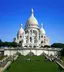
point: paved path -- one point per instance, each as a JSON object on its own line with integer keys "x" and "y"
{"x": 0, "y": 69}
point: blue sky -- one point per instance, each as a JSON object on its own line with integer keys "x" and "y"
{"x": 15, "y": 12}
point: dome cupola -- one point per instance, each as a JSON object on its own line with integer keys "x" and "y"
{"x": 42, "y": 29}
{"x": 21, "y": 30}
{"x": 32, "y": 20}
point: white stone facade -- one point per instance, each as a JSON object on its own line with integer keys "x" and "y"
{"x": 27, "y": 51}
{"x": 33, "y": 35}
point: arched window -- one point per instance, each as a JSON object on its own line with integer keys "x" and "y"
{"x": 20, "y": 36}
{"x": 44, "y": 36}
{"x": 30, "y": 39}
{"x": 41, "y": 36}
{"x": 30, "y": 31}
{"x": 35, "y": 32}
{"x": 35, "y": 40}
{"x": 41, "y": 41}
{"x": 20, "y": 41}
{"x": 26, "y": 31}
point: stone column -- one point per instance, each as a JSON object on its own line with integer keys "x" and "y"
{"x": 37, "y": 38}
{"x": 32, "y": 38}
{"x": 29, "y": 36}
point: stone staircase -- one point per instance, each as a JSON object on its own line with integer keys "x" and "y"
{"x": 57, "y": 60}
{"x": 5, "y": 63}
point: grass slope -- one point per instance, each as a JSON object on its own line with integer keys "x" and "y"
{"x": 41, "y": 65}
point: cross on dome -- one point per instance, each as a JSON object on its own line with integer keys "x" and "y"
{"x": 20, "y": 25}
{"x": 41, "y": 25}
{"x": 32, "y": 12}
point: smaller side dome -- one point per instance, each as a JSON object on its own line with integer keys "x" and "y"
{"x": 42, "y": 29}
{"x": 21, "y": 30}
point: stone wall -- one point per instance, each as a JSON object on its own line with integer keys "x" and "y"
{"x": 27, "y": 51}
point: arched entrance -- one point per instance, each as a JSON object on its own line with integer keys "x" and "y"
{"x": 30, "y": 54}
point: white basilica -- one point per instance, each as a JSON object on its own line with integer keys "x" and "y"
{"x": 31, "y": 40}
{"x": 33, "y": 35}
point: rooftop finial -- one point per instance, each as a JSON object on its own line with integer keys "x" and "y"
{"x": 32, "y": 12}
{"x": 20, "y": 25}
{"x": 41, "y": 25}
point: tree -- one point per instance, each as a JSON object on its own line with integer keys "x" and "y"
{"x": 58, "y": 45}
{"x": 8, "y": 44}
{"x": 0, "y": 40}
{"x": 13, "y": 44}
{"x": 62, "y": 52}
{"x": 1, "y": 43}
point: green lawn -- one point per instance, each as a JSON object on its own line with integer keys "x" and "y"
{"x": 38, "y": 64}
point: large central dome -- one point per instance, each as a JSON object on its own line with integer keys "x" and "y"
{"x": 32, "y": 20}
